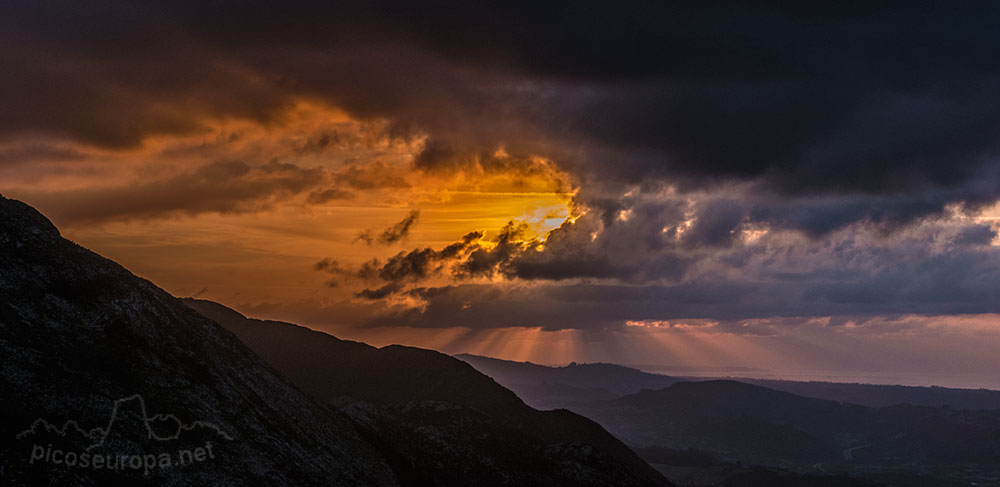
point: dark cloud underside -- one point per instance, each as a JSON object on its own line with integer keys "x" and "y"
{"x": 857, "y": 137}
{"x": 871, "y": 98}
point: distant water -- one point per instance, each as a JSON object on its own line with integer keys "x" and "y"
{"x": 962, "y": 381}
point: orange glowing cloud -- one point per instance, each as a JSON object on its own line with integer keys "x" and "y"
{"x": 243, "y": 209}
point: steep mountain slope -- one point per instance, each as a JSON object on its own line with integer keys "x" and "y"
{"x": 547, "y": 387}
{"x": 439, "y": 420}
{"x": 142, "y": 375}
{"x": 330, "y": 368}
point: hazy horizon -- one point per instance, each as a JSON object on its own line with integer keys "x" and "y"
{"x": 706, "y": 371}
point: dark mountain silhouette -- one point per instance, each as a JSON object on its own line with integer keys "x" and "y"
{"x": 741, "y": 424}
{"x": 877, "y": 395}
{"x": 547, "y": 387}
{"x": 753, "y": 424}
{"x": 729, "y": 416}
{"x": 439, "y": 420}
{"x": 78, "y": 331}
{"x": 329, "y": 368}
{"x": 691, "y": 467}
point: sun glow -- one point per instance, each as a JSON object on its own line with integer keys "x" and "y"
{"x": 301, "y": 187}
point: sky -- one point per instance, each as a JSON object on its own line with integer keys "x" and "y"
{"x": 797, "y": 191}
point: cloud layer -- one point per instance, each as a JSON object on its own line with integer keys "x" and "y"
{"x": 728, "y": 161}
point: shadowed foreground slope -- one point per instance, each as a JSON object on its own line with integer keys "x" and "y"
{"x": 78, "y": 332}
{"x": 439, "y": 420}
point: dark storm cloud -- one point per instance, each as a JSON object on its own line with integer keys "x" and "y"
{"x": 417, "y": 264}
{"x": 847, "y": 98}
{"x": 393, "y": 234}
{"x": 379, "y": 293}
{"x": 605, "y": 247}
{"x": 583, "y": 279}
{"x": 853, "y": 124}
{"x": 959, "y": 283}
{"x": 976, "y": 235}
{"x": 820, "y": 214}
{"x": 403, "y": 267}
{"x": 484, "y": 261}
{"x": 717, "y": 224}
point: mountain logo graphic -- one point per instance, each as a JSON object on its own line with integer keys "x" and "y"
{"x": 168, "y": 427}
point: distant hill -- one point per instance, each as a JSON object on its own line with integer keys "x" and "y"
{"x": 439, "y": 420}
{"x": 727, "y": 416}
{"x": 887, "y": 395}
{"x": 753, "y": 424}
{"x": 691, "y": 467}
{"x": 881, "y": 432}
{"x": 548, "y": 387}
{"x": 96, "y": 361}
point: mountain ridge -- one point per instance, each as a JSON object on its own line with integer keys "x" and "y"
{"x": 78, "y": 330}
{"x": 546, "y": 385}
{"x": 418, "y": 386}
